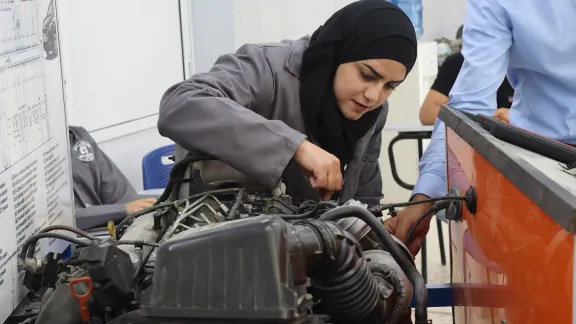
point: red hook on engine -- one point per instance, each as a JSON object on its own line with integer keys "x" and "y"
{"x": 82, "y": 298}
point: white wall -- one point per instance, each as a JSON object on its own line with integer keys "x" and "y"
{"x": 220, "y": 27}
{"x": 266, "y": 21}
{"x": 271, "y": 21}
{"x": 212, "y": 31}
{"x": 118, "y": 58}
{"x": 442, "y": 18}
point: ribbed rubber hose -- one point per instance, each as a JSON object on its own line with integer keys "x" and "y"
{"x": 420, "y": 291}
{"x": 342, "y": 279}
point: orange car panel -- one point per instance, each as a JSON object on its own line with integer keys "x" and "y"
{"x": 512, "y": 262}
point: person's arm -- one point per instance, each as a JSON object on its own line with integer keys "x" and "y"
{"x": 214, "y": 113}
{"x": 96, "y": 216}
{"x": 440, "y": 89}
{"x": 431, "y": 106}
{"x": 116, "y": 193}
{"x": 487, "y": 39}
{"x": 370, "y": 183}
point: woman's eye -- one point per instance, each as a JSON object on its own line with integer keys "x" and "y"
{"x": 367, "y": 77}
{"x": 391, "y": 86}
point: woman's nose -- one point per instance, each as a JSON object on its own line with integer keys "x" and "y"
{"x": 372, "y": 94}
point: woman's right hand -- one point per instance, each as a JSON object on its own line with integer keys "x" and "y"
{"x": 323, "y": 167}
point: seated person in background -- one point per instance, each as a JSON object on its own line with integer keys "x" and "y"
{"x": 101, "y": 192}
{"x": 440, "y": 90}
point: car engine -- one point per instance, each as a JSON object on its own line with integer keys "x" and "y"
{"x": 229, "y": 255}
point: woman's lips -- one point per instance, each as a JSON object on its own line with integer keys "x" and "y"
{"x": 360, "y": 107}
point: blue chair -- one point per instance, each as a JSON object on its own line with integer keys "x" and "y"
{"x": 156, "y": 167}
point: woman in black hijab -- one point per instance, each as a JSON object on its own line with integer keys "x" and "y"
{"x": 376, "y": 31}
{"x": 307, "y": 112}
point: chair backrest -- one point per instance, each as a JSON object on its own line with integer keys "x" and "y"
{"x": 156, "y": 167}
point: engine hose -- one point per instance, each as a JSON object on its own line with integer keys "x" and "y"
{"x": 74, "y": 230}
{"x": 342, "y": 279}
{"x": 177, "y": 185}
{"x": 30, "y": 243}
{"x": 177, "y": 173}
{"x": 420, "y": 292}
{"x": 62, "y": 307}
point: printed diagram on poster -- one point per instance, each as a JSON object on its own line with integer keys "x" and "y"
{"x": 35, "y": 184}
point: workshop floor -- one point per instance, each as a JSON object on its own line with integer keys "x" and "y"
{"x": 437, "y": 273}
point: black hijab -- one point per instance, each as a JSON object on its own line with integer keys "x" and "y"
{"x": 366, "y": 29}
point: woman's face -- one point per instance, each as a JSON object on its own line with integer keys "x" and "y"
{"x": 363, "y": 86}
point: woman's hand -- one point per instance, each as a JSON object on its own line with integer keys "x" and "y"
{"x": 400, "y": 225}
{"x": 323, "y": 167}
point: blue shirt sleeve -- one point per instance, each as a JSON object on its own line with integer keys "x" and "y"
{"x": 486, "y": 40}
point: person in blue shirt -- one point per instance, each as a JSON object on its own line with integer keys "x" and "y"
{"x": 439, "y": 93}
{"x": 533, "y": 44}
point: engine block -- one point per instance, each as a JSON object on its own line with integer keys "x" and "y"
{"x": 234, "y": 256}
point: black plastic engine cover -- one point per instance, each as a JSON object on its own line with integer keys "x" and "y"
{"x": 236, "y": 271}
{"x": 111, "y": 271}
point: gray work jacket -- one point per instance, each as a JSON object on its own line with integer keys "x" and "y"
{"x": 101, "y": 191}
{"x": 246, "y": 112}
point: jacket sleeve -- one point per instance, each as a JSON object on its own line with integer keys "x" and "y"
{"x": 370, "y": 183}
{"x": 216, "y": 113}
{"x": 96, "y": 216}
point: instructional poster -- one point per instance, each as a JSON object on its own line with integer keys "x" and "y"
{"x": 35, "y": 184}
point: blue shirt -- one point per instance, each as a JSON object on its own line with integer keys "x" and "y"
{"x": 533, "y": 41}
